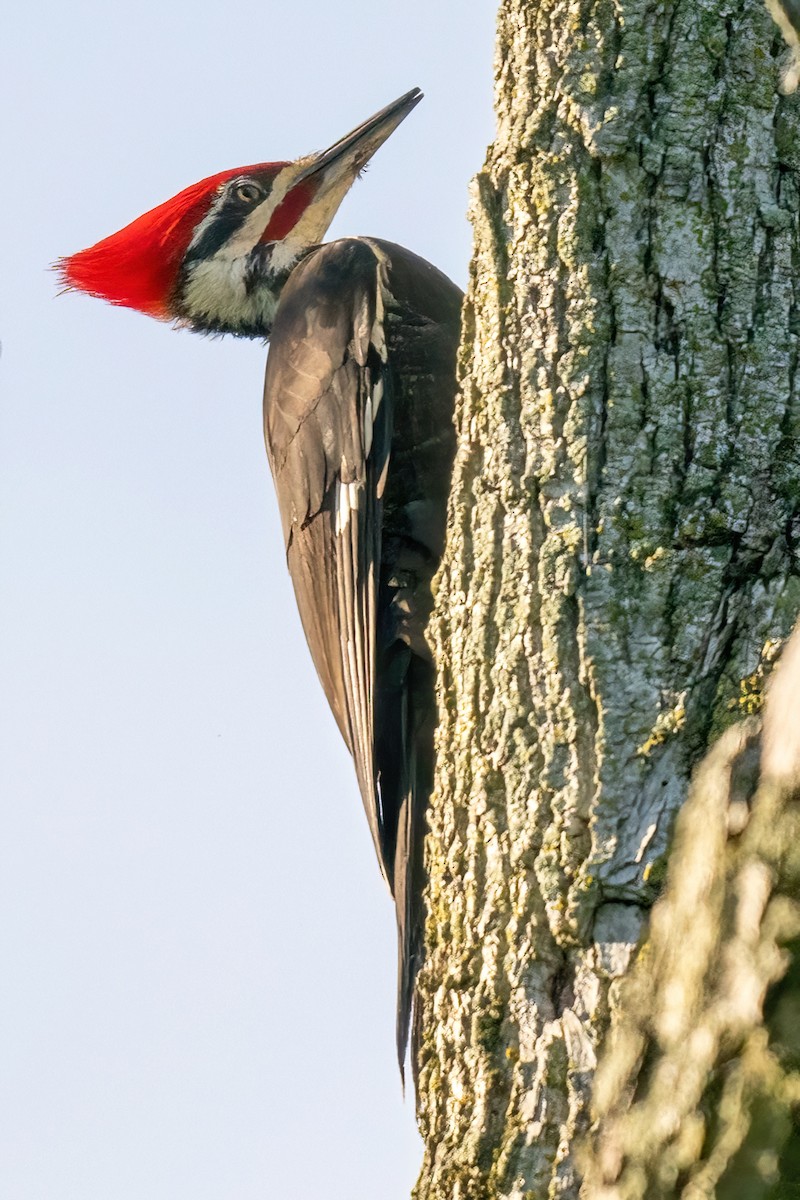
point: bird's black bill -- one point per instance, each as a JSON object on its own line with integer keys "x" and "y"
{"x": 358, "y": 146}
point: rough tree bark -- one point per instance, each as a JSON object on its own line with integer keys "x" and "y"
{"x": 621, "y": 574}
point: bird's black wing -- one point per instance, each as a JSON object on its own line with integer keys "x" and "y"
{"x": 359, "y": 426}
{"x": 328, "y": 428}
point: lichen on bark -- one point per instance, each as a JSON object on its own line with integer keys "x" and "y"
{"x": 699, "y": 1085}
{"x": 622, "y": 557}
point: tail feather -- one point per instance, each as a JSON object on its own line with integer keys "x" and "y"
{"x": 409, "y": 880}
{"x": 405, "y": 723}
{"x": 409, "y": 863}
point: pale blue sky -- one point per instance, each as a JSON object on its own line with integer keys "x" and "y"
{"x": 198, "y": 951}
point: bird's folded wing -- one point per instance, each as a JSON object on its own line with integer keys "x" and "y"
{"x": 327, "y": 416}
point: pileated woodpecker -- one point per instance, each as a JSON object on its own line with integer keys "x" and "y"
{"x": 358, "y": 419}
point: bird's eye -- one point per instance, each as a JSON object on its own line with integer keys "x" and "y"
{"x": 249, "y": 193}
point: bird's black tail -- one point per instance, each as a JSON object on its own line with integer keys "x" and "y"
{"x": 409, "y": 875}
{"x": 409, "y": 886}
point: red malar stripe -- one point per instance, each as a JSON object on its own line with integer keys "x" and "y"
{"x": 289, "y": 212}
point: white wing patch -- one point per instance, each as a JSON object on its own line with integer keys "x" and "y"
{"x": 378, "y": 334}
{"x": 346, "y": 503}
{"x": 368, "y": 424}
{"x": 347, "y": 494}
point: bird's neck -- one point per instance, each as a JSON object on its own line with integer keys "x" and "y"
{"x": 237, "y": 295}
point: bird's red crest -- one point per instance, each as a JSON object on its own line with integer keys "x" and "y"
{"x": 137, "y": 267}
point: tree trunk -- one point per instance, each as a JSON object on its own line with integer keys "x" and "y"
{"x": 622, "y": 565}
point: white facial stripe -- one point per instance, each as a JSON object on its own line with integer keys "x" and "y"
{"x": 252, "y": 229}
{"x": 285, "y": 254}
{"x": 249, "y": 232}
